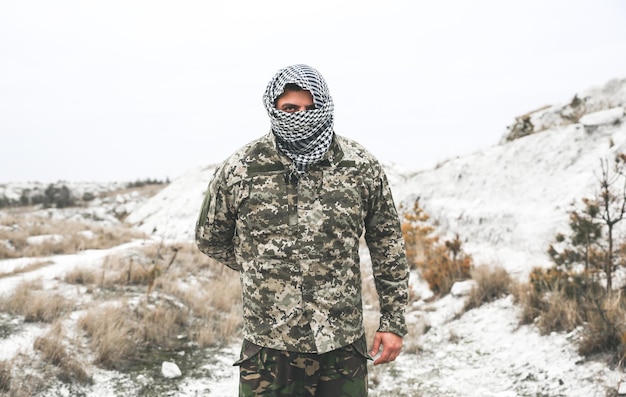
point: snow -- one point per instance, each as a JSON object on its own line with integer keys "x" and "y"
{"x": 506, "y": 202}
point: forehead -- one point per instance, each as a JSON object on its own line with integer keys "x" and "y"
{"x": 295, "y": 96}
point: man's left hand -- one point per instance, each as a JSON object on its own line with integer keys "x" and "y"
{"x": 391, "y": 345}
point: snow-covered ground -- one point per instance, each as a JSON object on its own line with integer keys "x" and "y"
{"x": 506, "y": 202}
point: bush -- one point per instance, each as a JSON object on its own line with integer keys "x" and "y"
{"x": 605, "y": 330}
{"x": 561, "y": 301}
{"x": 441, "y": 265}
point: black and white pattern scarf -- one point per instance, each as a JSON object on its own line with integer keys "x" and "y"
{"x": 303, "y": 136}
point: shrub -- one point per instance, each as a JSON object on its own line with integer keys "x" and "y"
{"x": 441, "y": 265}
{"x": 559, "y": 300}
{"x": 605, "y": 330}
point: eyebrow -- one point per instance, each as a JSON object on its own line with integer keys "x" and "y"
{"x": 287, "y": 104}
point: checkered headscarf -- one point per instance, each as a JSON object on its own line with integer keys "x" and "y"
{"x": 303, "y": 136}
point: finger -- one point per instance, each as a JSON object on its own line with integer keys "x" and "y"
{"x": 388, "y": 355}
{"x": 376, "y": 344}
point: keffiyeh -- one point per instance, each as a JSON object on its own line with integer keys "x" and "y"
{"x": 303, "y": 136}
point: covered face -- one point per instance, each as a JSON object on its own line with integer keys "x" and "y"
{"x": 304, "y": 136}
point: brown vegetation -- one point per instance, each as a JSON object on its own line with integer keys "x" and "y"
{"x": 35, "y": 304}
{"x": 491, "y": 283}
{"x": 137, "y": 307}
{"x": 440, "y": 264}
{"x": 57, "y": 236}
{"x": 54, "y": 352}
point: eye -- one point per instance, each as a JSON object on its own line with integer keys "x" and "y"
{"x": 289, "y": 109}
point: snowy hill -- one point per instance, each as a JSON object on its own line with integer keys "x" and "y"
{"x": 506, "y": 202}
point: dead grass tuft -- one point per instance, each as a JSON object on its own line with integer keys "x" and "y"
{"x": 34, "y": 304}
{"x": 562, "y": 314}
{"x": 605, "y": 330}
{"x": 112, "y": 335}
{"x": 159, "y": 325}
{"x": 54, "y": 352}
{"x": 82, "y": 276}
{"x": 491, "y": 283}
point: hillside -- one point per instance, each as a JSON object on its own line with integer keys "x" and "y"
{"x": 507, "y": 202}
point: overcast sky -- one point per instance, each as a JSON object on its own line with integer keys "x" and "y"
{"x": 120, "y": 90}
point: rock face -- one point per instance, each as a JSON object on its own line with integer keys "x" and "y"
{"x": 612, "y": 95}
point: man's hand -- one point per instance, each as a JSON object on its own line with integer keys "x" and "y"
{"x": 391, "y": 345}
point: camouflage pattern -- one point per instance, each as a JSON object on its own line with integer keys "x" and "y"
{"x": 269, "y": 372}
{"x": 295, "y": 241}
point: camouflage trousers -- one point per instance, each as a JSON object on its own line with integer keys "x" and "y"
{"x": 269, "y": 372}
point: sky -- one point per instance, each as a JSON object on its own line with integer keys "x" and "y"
{"x": 122, "y": 90}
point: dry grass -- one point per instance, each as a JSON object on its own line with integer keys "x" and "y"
{"x": 605, "y": 329}
{"x": 529, "y": 301}
{"x": 491, "y": 283}
{"x": 35, "y": 304}
{"x": 112, "y": 335}
{"x": 16, "y": 383}
{"x": 562, "y": 314}
{"x": 562, "y": 301}
{"x": 5, "y": 376}
{"x": 212, "y": 295}
{"x": 65, "y": 236}
{"x": 53, "y": 351}
{"x": 159, "y": 325}
{"x": 179, "y": 295}
{"x": 82, "y": 276}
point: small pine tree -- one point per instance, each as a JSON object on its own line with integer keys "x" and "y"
{"x": 592, "y": 240}
{"x": 418, "y": 235}
{"x": 440, "y": 264}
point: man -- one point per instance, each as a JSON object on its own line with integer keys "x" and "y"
{"x": 287, "y": 211}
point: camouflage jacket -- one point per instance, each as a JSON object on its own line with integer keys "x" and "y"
{"x": 294, "y": 238}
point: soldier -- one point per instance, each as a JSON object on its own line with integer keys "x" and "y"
{"x": 287, "y": 212}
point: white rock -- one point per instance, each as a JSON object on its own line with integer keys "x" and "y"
{"x": 170, "y": 370}
{"x": 462, "y": 288}
{"x": 608, "y": 116}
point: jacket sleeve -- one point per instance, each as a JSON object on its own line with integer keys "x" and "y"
{"x": 215, "y": 227}
{"x": 383, "y": 235}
